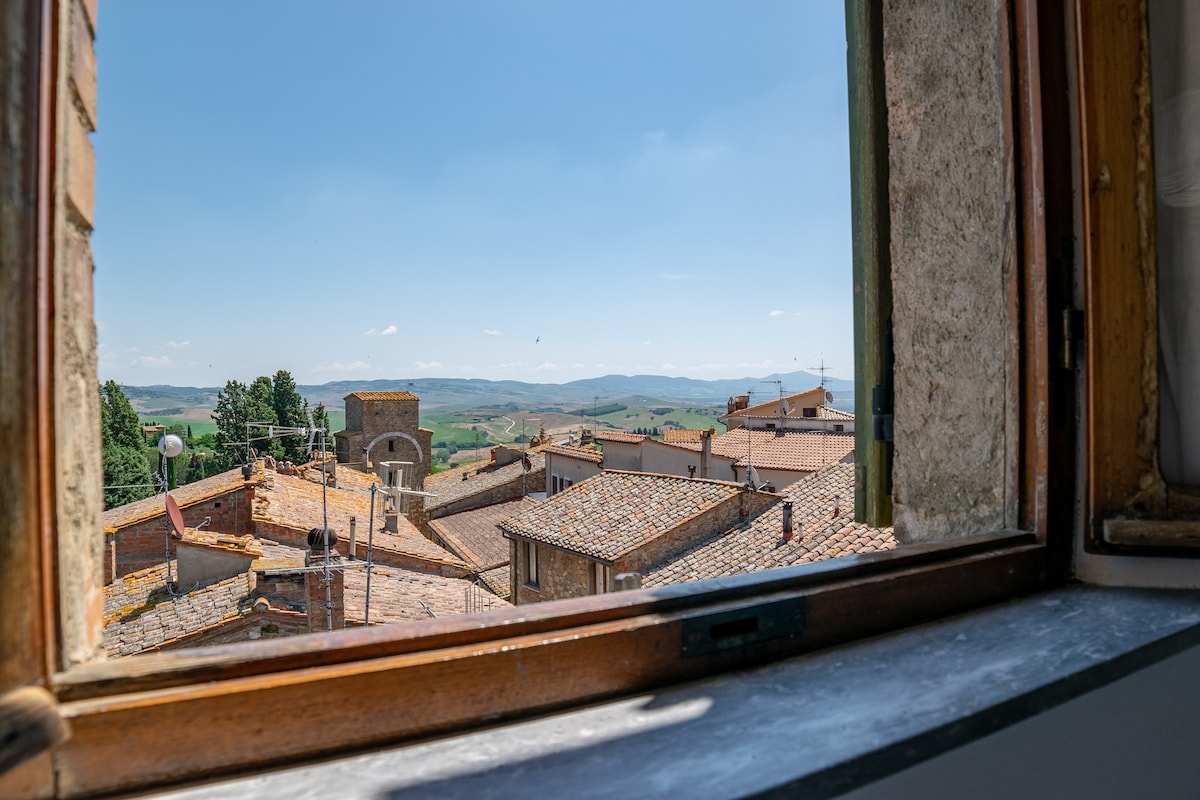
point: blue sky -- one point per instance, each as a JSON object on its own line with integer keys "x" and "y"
{"x": 359, "y": 190}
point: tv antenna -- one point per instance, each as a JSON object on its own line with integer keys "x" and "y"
{"x": 822, "y": 369}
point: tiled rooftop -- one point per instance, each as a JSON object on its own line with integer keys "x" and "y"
{"x": 828, "y": 412}
{"x": 620, "y": 436}
{"x": 498, "y": 580}
{"x": 295, "y": 503}
{"x": 384, "y": 395}
{"x": 473, "y": 534}
{"x": 615, "y": 512}
{"x": 139, "y": 612}
{"x": 397, "y": 595}
{"x": 796, "y": 402}
{"x": 759, "y": 544}
{"x": 674, "y": 435}
{"x": 803, "y": 451}
{"x": 581, "y": 453}
{"x": 450, "y": 487}
{"x": 186, "y": 495}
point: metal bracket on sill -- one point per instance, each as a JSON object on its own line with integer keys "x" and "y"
{"x": 744, "y": 626}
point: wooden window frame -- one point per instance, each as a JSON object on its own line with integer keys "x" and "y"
{"x": 125, "y": 714}
{"x": 1129, "y": 507}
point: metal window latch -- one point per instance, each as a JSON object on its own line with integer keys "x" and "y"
{"x": 1072, "y": 331}
{"x": 881, "y": 414}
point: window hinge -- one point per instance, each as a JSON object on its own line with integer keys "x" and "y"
{"x": 881, "y": 414}
{"x": 1072, "y": 330}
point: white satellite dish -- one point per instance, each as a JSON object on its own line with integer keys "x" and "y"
{"x": 170, "y": 445}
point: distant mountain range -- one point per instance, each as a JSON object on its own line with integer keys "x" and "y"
{"x": 450, "y": 394}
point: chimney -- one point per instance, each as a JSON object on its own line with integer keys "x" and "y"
{"x": 353, "y": 537}
{"x": 787, "y": 520}
{"x": 706, "y": 451}
{"x": 745, "y": 496}
{"x": 837, "y": 504}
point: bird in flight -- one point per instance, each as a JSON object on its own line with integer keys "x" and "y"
{"x": 538, "y": 339}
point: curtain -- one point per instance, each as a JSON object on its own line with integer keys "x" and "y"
{"x": 1175, "y": 78}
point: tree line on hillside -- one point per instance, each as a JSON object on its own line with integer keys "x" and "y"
{"x": 131, "y": 459}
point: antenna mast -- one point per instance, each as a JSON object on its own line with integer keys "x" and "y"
{"x": 822, "y": 369}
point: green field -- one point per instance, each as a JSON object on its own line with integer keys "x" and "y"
{"x": 337, "y": 421}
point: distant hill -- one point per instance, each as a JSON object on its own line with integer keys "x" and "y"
{"x": 461, "y": 393}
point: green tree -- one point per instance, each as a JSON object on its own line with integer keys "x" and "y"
{"x": 230, "y": 416}
{"x": 321, "y": 420}
{"x": 290, "y": 411}
{"x": 122, "y": 449}
{"x": 260, "y": 408}
{"x": 119, "y": 420}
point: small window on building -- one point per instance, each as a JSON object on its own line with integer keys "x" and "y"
{"x": 530, "y": 557}
{"x": 839, "y": 428}
{"x": 810, "y": 412}
{"x": 600, "y": 578}
{"x": 770, "y": 426}
{"x": 391, "y": 445}
{"x": 217, "y": 504}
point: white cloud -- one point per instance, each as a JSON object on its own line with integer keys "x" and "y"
{"x": 491, "y": 332}
{"x": 151, "y": 361}
{"x": 421, "y": 366}
{"x": 668, "y": 367}
{"x": 546, "y": 367}
{"x": 775, "y": 313}
{"x": 370, "y": 332}
{"x": 388, "y": 331}
{"x": 174, "y": 345}
{"x": 337, "y": 366}
{"x": 511, "y": 365}
{"x": 646, "y": 343}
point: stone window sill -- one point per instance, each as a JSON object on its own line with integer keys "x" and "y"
{"x": 816, "y": 725}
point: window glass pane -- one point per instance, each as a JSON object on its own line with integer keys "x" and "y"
{"x": 330, "y": 218}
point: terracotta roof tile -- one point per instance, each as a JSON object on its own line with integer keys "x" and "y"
{"x": 803, "y": 451}
{"x": 620, "y": 436}
{"x": 759, "y": 544}
{"x": 497, "y": 580}
{"x": 796, "y": 403}
{"x": 294, "y": 502}
{"x": 186, "y": 495}
{"x": 384, "y": 395}
{"x": 612, "y": 513}
{"x": 473, "y": 534}
{"x": 450, "y": 487}
{"x": 581, "y": 453}
{"x": 397, "y": 595}
{"x": 140, "y": 614}
{"x": 673, "y": 435}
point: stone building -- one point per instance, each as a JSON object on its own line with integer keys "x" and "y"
{"x": 385, "y": 426}
{"x": 576, "y": 542}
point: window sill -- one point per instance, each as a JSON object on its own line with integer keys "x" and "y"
{"x": 814, "y": 725}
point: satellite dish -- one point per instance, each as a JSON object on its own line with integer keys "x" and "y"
{"x": 174, "y": 515}
{"x": 170, "y": 445}
{"x": 829, "y": 397}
